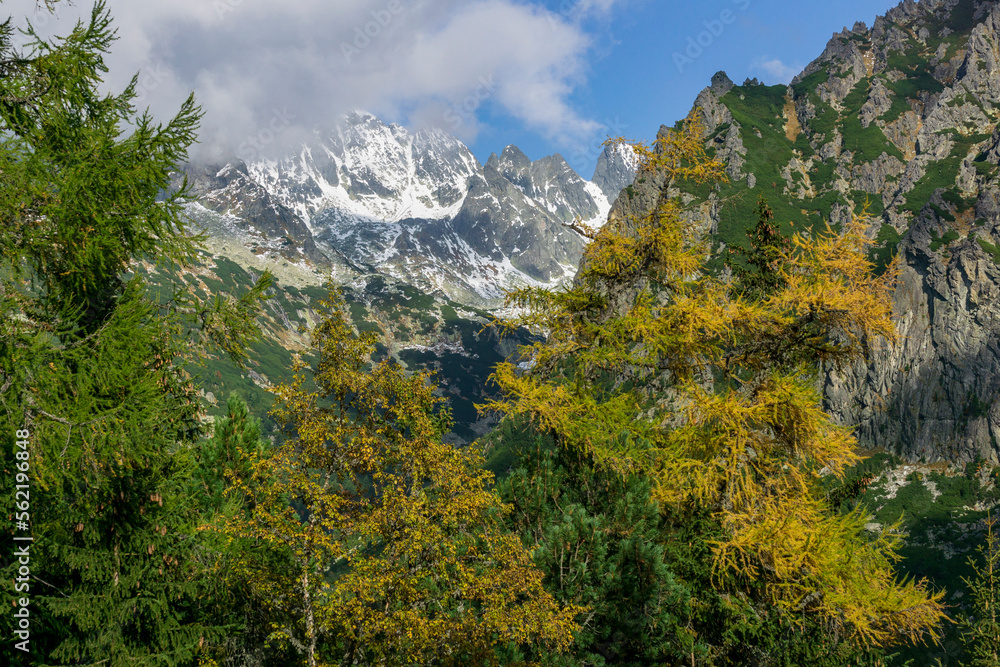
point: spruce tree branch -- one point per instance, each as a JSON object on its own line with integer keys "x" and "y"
{"x": 71, "y": 425}
{"x": 85, "y": 339}
{"x": 40, "y": 580}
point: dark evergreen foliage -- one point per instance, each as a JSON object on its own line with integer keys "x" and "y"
{"x": 756, "y": 271}
{"x": 599, "y": 539}
{"x": 130, "y": 492}
{"x": 93, "y": 368}
{"x": 645, "y": 574}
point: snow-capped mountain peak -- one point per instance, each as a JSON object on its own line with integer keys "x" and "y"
{"x": 418, "y": 206}
{"x": 616, "y": 168}
{"x": 372, "y": 170}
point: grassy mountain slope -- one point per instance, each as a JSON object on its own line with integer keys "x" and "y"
{"x": 419, "y": 331}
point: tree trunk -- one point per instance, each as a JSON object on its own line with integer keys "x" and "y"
{"x": 310, "y": 621}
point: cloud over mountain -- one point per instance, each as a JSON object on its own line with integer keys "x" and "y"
{"x": 266, "y": 71}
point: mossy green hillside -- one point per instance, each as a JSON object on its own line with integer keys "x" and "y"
{"x": 759, "y": 110}
{"x": 802, "y": 187}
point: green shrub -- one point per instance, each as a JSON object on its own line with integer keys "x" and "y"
{"x": 938, "y": 242}
{"x": 884, "y": 249}
{"x": 990, "y": 249}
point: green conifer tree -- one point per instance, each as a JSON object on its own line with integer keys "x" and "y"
{"x": 93, "y": 368}
{"x": 603, "y": 544}
{"x": 236, "y": 439}
{"x": 981, "y": 634}
{"x": 759, "y": 273}
{"x": 224, "y": 461}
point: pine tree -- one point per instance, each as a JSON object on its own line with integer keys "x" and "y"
{"x": 91, "y": 366}
{"x": 981, "y": 634}
{"x": 602, "y": 543}
{"x": 653, "y": 366}
{"x": 224, "y": 460}
{"x": 236, "y": 439}
{"x": 644, "y": 571}
{"x": 761, "y": 274}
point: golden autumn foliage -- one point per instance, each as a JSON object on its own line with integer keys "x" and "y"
{"x": 396, "y": 543}
{"x": 654, "y": 366}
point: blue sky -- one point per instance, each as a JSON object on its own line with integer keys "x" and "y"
{"x": 634, "y": 82}
{"x": 551, "y": 76}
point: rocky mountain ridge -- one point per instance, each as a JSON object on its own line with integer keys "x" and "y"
{"x": 369, "y": 197}
{"x": 899, "y": 120}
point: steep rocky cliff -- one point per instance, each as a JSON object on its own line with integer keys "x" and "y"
{"x": 615, "y": 170}
{"x": 899, "y": 119}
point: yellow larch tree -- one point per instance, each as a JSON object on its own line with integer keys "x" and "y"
{"x": 654, "y": 365}
{"x": 395, "y": 538}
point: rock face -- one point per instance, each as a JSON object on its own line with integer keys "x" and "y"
{"x": 375, "y": 198}
{"x": 935, "y": 391}
{"x": 372, "y": 169}
{"x": 901, "y": 119}
{"x": 552, "y": 183}
{"x": 229, "y": 189}
{"x": 615, "y": 170}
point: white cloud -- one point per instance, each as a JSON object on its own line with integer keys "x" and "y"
{"x": 579, "y": 10}
{"x": 434, "y": 61}
{"x": 774, "y": 70}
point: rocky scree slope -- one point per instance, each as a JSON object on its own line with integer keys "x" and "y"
{"x": 901, "y": 120}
